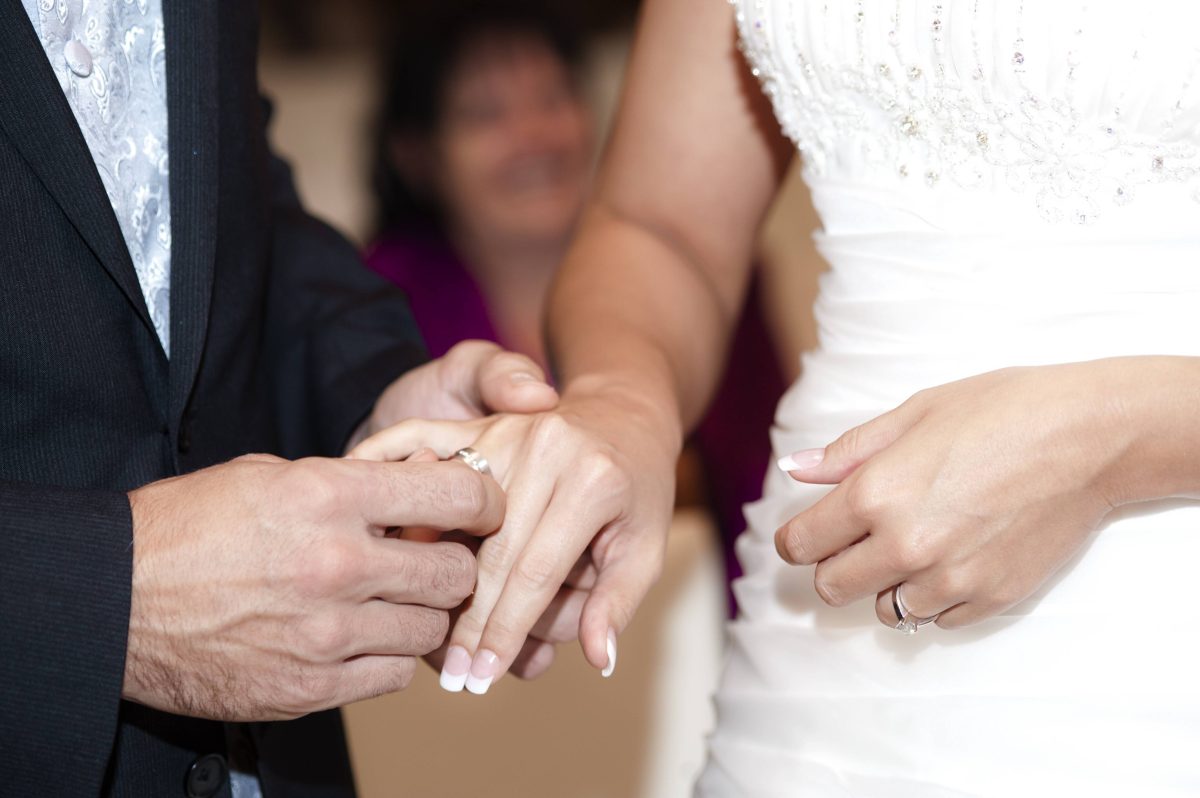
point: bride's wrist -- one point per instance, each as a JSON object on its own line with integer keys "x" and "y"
{"x": 1152, "y": 430}
{"x": 642, "y": 402}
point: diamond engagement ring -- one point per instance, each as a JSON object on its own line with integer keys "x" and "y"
{"x": 905, "y": 621}
{"x": 474, "y": 459}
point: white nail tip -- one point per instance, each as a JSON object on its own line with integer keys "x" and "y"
{"x": 478, "y": 686}
{"x": 788, "y": 464}
{"x": 451, "y": 683}
{"x": 612, "y": 656}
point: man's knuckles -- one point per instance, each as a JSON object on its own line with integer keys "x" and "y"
{"x": 328, "y": 567}
{"x": 445, "y": 573}
{"x": 422, "y": 629}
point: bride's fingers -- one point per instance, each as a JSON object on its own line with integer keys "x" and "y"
{"x": 824, "y": 529}
{"x": 627, "y": 570}
{"x": 855, "y": 446}
{"x": 560, "y": 622}
{"x": 920, "y": 600}
{"x": 966, "y": 614}
{"x": 537, "y": 573}
{"x": 862, "y": 570}
{"x": 400, "y": 441}
{"x": 965, "y": 596}
{"x": 531, "y": 486}
{"x": 583, "y": 575}
{"x": 535, "y": 658}
{"x": 425, "y": 455}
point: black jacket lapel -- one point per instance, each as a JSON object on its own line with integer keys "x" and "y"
{"x": 35, "y": 114}
{"x": 191, "y": 51}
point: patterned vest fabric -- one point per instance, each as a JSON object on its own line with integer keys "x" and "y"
{"x": 110, "y": 60}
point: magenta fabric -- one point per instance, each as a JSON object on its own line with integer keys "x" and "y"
{"x": 733, "y": 439}
{"x": 445, "y": 299}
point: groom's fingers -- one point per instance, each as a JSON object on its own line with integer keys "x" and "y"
{"x": 370, "y": 676}
{"x": 443, "y": 496}
{"x": 512, "y": 383}
{"x": 484, "y": 378}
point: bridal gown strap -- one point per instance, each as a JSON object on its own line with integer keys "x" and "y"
{"x": 999, "y": 183}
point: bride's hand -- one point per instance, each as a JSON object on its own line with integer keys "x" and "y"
{"x": 971, "y": 494}
{"x": 590, "y": 488}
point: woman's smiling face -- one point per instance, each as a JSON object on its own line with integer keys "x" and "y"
{"x": 513, "y": 146}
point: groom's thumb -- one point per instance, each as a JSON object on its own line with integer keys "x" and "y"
{"x": 513, "y": 383}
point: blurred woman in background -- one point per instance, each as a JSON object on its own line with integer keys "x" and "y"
{"x": 484, "y": 152}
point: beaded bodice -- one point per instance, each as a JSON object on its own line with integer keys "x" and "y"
{"x": 1062, "y": 111}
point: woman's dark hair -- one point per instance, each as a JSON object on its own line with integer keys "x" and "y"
{"x": 429, "y": 44}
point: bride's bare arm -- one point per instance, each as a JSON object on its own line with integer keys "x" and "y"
{"x": 639, "y": 320}
{"x": 647, "y": 296}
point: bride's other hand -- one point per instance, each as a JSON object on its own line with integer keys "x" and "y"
{"x": 590, "y": 489}
{"x": 972, "y": 494}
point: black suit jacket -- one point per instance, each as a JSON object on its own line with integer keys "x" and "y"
{"x": 280, "y": 342}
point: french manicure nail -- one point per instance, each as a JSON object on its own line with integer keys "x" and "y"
{"x": 454, "y": 669}
{"x": 612, "y": 655}
{"x": 522, "y": 377}
{"x": 483, "y": 671}
{"x": 801, "y": 461}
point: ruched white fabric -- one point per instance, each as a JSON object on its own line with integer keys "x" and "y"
{"x": 1092, "y": 686}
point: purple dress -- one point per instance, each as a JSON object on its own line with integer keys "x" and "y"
{"x": 733, "y": 439}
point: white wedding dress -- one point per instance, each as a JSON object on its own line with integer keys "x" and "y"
{"x": 1000, "y": 183}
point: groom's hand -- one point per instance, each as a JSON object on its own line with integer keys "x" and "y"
{"x": 265, "y": 589}
{"x": 474, "y": 379}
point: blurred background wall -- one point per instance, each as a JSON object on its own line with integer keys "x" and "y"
{"x": 571, "y": 733}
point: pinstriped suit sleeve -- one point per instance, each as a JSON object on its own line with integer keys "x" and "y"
{"x": 65, "y": 572}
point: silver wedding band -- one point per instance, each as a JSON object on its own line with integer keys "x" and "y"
{"x": 905, "y": 621}
{"x": 474, "y": 459}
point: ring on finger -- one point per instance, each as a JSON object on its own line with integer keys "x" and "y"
{"x": 474, "y": 459}
{"x": 905, "y": 621}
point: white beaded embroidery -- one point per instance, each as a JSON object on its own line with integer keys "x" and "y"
{"x": 927, "y": 103}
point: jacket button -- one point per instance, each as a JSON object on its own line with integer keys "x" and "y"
{"x": 184, "y": 443}
{"x": 207, "y": 776}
